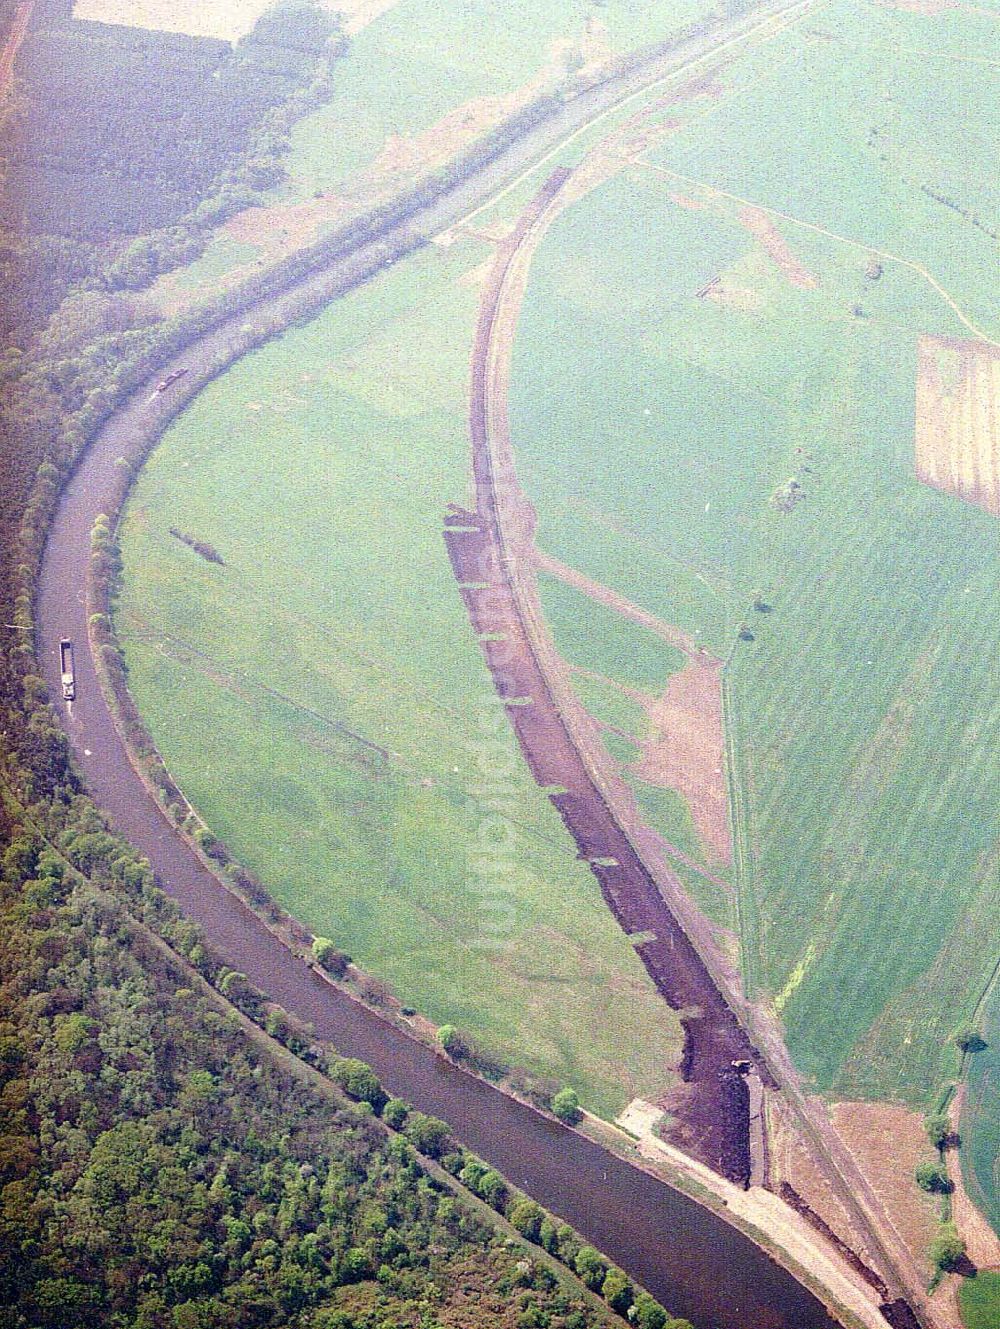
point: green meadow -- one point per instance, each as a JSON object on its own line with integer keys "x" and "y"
{"x": 654, "y": 427}
{"x": 979, "y": 1299}
{"x": 422, "y": 59}
{"x": 979, "y": 1126}
{"x": 320, "y": 467}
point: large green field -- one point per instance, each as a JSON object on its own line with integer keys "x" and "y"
{"x": 653, "y": 428}
{"x": 320, "y": 468}
{"x": 979, "y": 1298}
{"x": 424, "y": 58}
{"x": 418, "y": 63}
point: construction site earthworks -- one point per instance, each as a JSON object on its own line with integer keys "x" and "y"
{"x": 733, "y": 1057}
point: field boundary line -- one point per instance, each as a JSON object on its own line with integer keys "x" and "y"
{"x": 910, "y": 263}
{"x": 948, "y": 55}
{"x": 744, "y": 889}
{"x": 782, "y": 19}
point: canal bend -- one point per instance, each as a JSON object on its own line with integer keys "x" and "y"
{"x": 691, "y": 1259}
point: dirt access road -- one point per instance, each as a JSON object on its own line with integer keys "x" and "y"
{"x": 492, "y": 551}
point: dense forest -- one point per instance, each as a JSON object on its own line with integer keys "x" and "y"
{"x": 124, "y": 126}
{"x": 159, "y": 1169}
{"x": 122, "y": 148}
{"x": 123, "y": 130}
{"x": 174, "y": 1151}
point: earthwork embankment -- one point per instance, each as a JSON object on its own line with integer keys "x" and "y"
{"x": 492, "y": 555}
{"x": 494, "y": 559}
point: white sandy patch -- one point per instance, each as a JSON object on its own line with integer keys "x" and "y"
{"x": 227, "y": 19}
{"x": 359, "y": 13}
{"x": 763, "y": 1211}
{"x": 640, "y": 1119}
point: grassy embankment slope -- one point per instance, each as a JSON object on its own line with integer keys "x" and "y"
{"x": 860, "y": 716}
{"x": 335, "y": 451}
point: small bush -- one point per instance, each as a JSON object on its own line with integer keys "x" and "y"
{"x": 947, "y": 1250}
{"x": 566, "y": 1105}
{"x": 933, "y": 1177}
{"x": 427, "y": 1134}
{"x": 617, "y": 1291}
{"x": 451, "y": 1040}
{"x": 395, "y": 1112}
{"x": 591, "y": 1267}
{"x": 327, "y": 955}
{"x": 938, "y": 1129}
{"x": 971, "y": 1040}
{"x": 360, "y": 1081}
{"x": 647, "y": 1313}
{"x": 526, "y": 1216}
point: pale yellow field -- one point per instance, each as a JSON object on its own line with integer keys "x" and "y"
{"x": 957, "y": 438}
{"x": 228, "y": 19}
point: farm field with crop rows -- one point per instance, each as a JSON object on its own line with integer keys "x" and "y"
{"x": 713, "y": 408}
{"x": 712, "y": 403}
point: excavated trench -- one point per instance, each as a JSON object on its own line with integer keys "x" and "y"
{"x": 490, "y": 552}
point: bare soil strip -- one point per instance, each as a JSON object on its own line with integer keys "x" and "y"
{"x": 676, "y": 637}
{"x": 957, "y": 432}
{"x": 775, "y": 246}
{"x": 686, "y": 750}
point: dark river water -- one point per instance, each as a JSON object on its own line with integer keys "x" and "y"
{"x": 693, "y": 1261}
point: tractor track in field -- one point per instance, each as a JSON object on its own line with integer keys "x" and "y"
{"x": 493, "y": 555}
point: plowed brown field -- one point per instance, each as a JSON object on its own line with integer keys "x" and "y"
{"x": 957, "y": 435}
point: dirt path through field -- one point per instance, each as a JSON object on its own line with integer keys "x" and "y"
{"x": 776, "y": 247}
{"x": 685, "y": 751}
{"x": 869, "y": 250}
{"x": 674, "y": 636}
{"x": 761, "y": 1209}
